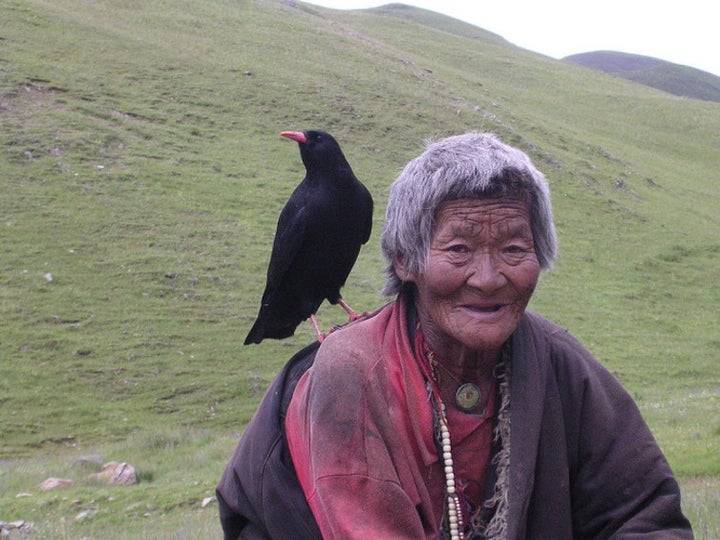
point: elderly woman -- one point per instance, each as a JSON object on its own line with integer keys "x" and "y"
{"x": 453, "y": 412}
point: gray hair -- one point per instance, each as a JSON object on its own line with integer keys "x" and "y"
{"x": 469, "y": 166}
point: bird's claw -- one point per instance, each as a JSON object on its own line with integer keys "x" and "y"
{"x": 357, "y": 316}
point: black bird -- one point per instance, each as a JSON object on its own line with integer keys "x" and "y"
{"x": 318, "y": 238}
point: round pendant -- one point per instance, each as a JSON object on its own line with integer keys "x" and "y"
{"x": 467, "y": 397}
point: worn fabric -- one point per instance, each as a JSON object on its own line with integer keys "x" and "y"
{"x": 583, "y": 463}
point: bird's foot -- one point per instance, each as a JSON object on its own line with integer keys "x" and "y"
{"x": 352, "y": 314}
{"x": 358, "y": 316}
{"x": 320, "y": 335}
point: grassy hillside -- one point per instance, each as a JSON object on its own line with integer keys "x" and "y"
{"x": 142, "y": 175}
{"x": 675, "y": 79}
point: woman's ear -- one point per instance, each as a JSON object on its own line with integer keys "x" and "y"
{"x": 402, "y": 271}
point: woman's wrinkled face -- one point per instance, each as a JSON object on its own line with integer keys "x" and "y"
{"x": 479, "y": 276}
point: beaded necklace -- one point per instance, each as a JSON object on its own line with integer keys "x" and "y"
{"x": 454, "y": 512}
{"x": 454, "y": 516}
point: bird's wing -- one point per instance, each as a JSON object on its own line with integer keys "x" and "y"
{"x": 289, "y": 238}
{"x": 368, "y": 218}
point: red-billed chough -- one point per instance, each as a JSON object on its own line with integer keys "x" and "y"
{"x": 318, "y": 238}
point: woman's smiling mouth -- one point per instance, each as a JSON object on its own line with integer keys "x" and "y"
{"x": 483, "y": 308}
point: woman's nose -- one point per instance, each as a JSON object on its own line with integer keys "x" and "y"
{"x": 486, "y": 272}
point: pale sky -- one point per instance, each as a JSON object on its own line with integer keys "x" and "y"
{"x": 684, "y": 32}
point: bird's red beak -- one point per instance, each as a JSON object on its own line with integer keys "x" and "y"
{"x": 298, "y": 136}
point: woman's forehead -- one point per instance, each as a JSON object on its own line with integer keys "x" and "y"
{"x": 468, "y": 214}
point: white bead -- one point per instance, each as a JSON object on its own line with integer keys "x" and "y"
{"x": 454, "y": 517}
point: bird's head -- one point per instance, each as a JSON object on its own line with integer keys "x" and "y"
{"x": 318, "y": 149}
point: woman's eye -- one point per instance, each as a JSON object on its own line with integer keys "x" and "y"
{"x": 517, "y": 253}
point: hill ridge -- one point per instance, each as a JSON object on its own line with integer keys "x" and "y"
{"x": 677, "y": 79}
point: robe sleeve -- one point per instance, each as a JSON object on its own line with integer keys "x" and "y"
{"x": 258, "y": 495}
{"x": 342, "y": 433}
{"x": 621, "y": 484}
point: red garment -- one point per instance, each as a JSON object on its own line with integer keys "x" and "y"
{"x": 360, "y": 433}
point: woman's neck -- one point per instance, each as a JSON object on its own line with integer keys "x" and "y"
{"x": 461, "y": 360}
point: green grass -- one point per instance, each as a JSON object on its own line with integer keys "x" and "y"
{"x": 140, "y": 166}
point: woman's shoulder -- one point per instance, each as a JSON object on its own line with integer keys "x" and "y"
{"x": 355, "y": 347}
{"x": 556, "y": 342}
{"x": 545, "y": 330}
{"x": 570, "y": 359}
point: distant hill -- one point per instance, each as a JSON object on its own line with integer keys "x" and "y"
{"x": 437, "y": 21}
{"x": 675, "y": 79}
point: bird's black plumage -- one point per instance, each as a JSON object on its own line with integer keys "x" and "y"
{"x": 318, "y": 238}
